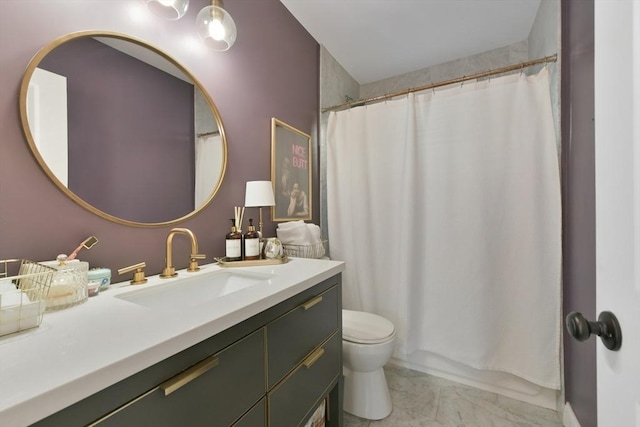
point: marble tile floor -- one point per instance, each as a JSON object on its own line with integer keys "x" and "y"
{"x": 421, "y": 400}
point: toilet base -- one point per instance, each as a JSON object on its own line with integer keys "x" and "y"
{"x": 366, "y": 394}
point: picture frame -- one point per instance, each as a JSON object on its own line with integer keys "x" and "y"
{"x": 290, "y": 172}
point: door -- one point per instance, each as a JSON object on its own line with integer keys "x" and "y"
{"x": 617, "y": 131}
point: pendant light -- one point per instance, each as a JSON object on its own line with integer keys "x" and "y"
{"x": 168, "y": 9}
{"x": 216, "y": 27}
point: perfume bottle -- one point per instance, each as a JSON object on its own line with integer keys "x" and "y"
{"x": 234, "y": 244}
{"x": 251, "y": 242}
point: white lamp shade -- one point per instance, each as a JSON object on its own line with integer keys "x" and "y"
{"x": 259, "y": 193}
{"x": 168, "y": 9}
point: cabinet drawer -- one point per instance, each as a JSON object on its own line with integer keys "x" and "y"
{"x": 256, "y": 417}
{"x": 213, "y": 392}
{"x": 291, "y": 337}
{"x": 294, "y": 398}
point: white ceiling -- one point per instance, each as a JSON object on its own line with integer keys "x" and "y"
{"x": 376, "y": 39}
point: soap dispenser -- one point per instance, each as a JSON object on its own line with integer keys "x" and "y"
{"x": 234, "y": 244}
{"x": 251, "y": 242}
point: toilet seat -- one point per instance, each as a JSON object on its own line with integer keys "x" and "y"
{"x": 365, "y": 328}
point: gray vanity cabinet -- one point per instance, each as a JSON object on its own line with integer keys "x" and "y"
{"x": 304, "y": 357}
{"x": 294, "y": 335}
{"x": 214, "y": 392}
{"x": 273, "y": 369}
{"x": 255, "y": 417}
{"x": 293, "y": 400}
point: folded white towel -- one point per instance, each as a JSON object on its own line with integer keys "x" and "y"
{"x": 302, "y": 234}
{"x": 290, "y": 224}
{"x": 13, "y": 298}
{"x": 19, "y": 317}
{"x": 294, "y": 234}
{"x": 6, "y": 286}
{"x": 316, "y": 235}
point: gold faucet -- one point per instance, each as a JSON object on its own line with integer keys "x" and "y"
{"x": 169, "y": 270}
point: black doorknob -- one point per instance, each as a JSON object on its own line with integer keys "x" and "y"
{"x": 607, "y": 328}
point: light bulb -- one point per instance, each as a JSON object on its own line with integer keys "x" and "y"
{"x": 168, "y": 9}
{"x": 216, "y": 27}
{"x": 216, "y": 30}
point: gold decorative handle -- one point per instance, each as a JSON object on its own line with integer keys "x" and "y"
{"x": 184, "y": 378}
{"x": 138, "y": 275}
{"x": 132, "y": 267}
{"x": 198, "y": 256}
{"x": 307, "y": 305}
{"x": 313, "y": 358}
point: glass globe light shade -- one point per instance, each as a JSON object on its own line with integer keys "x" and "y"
{"x": 168, "y": 9}
{"x": 216, "y": 27}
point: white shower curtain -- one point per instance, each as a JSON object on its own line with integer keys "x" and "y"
{"x": 446, "y": 208}
{"x": 208, "y": 167}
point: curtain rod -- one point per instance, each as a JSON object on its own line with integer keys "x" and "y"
{"x": 215, "y": 132}
{"x": 351, "y": 104}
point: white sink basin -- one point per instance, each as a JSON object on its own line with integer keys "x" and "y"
{"x": 184, "y": 292}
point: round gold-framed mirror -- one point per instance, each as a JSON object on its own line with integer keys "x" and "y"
{"x": 122, "y": 128}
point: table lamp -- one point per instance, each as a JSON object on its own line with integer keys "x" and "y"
{"x": 259, "y": 194}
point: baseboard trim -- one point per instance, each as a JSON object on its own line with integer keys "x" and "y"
{"x": 569, "y": 417}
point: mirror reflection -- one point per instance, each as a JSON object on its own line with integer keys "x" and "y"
{"x": 122, "y": 128}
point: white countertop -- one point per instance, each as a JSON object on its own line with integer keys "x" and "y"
{"x": 81, "y": 350}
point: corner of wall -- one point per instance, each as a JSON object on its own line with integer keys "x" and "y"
{"x": 568, "y": 417}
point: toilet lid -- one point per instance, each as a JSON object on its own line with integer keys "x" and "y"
{"x": 365, "y": 328}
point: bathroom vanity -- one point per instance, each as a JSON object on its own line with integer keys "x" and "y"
{"x": 265, "y": 352}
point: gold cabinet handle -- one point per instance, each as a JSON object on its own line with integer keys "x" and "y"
{"x": 307, "y": 305}
{"x": 313, "y": 358}
{"x": 184, "y": 378}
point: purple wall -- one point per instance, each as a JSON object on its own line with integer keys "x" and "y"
{"x": 129, "y": 117}
{"x": 578, "y": 183}
{"x": 271, "y": 71}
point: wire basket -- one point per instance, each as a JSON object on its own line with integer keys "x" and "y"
{"x": 316, "y": 250}
{"x": 23, "y": 291}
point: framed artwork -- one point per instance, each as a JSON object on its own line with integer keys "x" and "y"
{"x": 290, "y": 172}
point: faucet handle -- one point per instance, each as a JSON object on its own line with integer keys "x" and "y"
{"x": 138, "y": 275}
{"x": 193, "y": 263}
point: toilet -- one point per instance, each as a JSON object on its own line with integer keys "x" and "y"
{"x": 368, "y": 342}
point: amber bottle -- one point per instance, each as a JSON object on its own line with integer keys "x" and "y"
{"x": 234, "y": 244}
{"x": 251, "y": 242}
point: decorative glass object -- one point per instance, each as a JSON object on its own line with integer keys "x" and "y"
{"x": 273, "y": 248}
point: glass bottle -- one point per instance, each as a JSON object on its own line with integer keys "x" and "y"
{"x": 234, "y": 244}
{"x": 251, "y": 242}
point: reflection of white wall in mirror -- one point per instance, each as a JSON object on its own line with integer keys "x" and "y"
{"x": 142, "y": 53}
{"x": 208, "y": 166}
{"x": 205, "y": 122}
{"x": 47, "y": 115}
{"x": 209, "y": 150}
